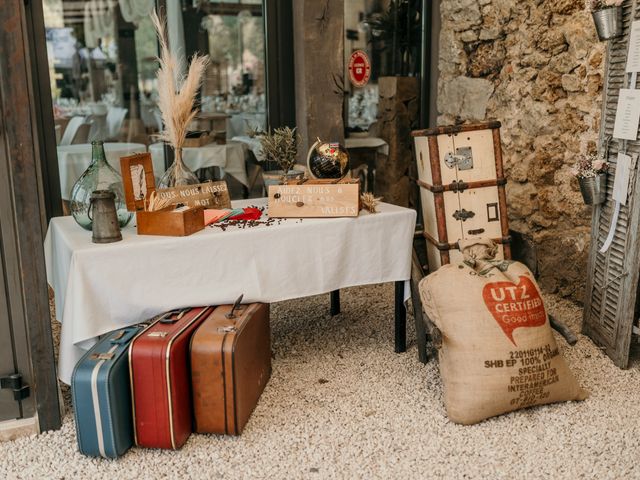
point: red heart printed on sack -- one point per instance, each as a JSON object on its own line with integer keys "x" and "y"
{"x": 514, "y": 306}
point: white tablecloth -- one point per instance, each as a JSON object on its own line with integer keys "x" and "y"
{"x": 101, "y": 287}
{"x": 229, "y": 157}
{"x": 73, "y": 160}
{"x": 252, "y": 143}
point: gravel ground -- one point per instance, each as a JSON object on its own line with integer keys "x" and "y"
{"x": 341, "y": 404}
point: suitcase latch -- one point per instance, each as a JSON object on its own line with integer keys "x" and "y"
{"x": 462, "y": 215}
{"x": 101, "y": 356}
{"x": 158, "y": 334}
{"x": 463, "y": 159}
{"x": 458, "y": 186}
{"x": 228, "y": 329}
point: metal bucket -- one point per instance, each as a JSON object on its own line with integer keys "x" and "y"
{"x": 593, "y": 189}
{"x": 608, "y": 22}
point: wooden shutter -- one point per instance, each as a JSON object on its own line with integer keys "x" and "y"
{"x": 612, "y": 280}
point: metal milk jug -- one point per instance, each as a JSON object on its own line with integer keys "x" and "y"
{"x": 102, "y": 212}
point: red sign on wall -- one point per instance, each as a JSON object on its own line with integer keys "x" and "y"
{"x": 359, "y": 68}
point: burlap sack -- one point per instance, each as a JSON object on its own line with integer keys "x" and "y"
{"x": 498, "y": 353}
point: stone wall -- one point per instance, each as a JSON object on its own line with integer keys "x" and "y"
{"x": 536, "y": 66}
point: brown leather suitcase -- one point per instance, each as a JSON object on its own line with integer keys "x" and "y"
{"x": 230, "y": 366}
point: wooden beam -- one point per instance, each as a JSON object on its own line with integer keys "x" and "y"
{"x": 318, "y": 31}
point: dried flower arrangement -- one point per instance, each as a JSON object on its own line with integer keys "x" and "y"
{"x": 176, "y": 95}
{"x": 370, "y": 202}
{"x": 589, "y": 166}
{"x": 280, "y": 147}
{"x": 595, "y": 5}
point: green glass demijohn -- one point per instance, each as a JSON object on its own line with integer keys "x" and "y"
{"x": 99, "y": 176}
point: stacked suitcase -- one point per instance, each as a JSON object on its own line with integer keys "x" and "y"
{"x": 135, "y": 385}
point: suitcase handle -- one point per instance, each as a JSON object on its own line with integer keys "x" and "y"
{"x": 236, "y": 306}
{"x": 124, "y": 336}
{"x": 169, "y": 316}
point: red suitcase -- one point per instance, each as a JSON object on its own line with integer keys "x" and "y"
{"x": 160, "y": 379}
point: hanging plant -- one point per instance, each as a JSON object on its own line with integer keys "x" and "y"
{"x": 591, "y": 172}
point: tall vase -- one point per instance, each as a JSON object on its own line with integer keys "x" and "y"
{"x": 178, "y": 173}
{"x": 98, "y": 176}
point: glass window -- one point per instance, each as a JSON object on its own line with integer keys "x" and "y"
{"x": 102, "y": 63}
{"x": 388, "y": 31}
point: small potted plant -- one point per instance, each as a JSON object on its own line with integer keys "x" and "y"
{"x": 607, "y": 15}
{"x": 591, "y": 172}
{"x": 280, "y": 147}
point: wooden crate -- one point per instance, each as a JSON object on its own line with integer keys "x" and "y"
{"x": 171, "y": 222}
{"x": 462, "y": 189}
{"x": 315, "y": 198}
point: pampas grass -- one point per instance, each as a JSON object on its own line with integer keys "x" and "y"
{"x": 176, "y": 91}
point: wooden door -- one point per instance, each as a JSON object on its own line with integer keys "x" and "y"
{"x": 9, "y": 408}
{"x": 25, "y": 324}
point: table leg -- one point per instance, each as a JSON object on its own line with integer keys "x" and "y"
{"x": 335, "y": 302}
{"x": 401, "y": 319}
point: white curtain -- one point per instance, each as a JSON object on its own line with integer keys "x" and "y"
{"x": 99, "y": 21}
{"x": 135, "y": 10}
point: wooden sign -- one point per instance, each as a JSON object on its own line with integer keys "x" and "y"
{"x": 359, "y": 68}
{"x": 315, "y": 198}
{"x": 137, "y": 179}
{"x": 208, "y": 195}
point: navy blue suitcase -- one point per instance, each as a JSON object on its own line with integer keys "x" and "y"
{"x": 101, "y": 393}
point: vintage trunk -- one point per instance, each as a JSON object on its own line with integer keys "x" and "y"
{"x": 230, "y": 366}
{"x": 101, "y": 394}
{"x": 160, "y": 379}
{"x": 462, "y": 189}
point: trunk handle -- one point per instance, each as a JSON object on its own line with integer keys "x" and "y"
{"x": 236, "y": 306}
{"x": 166, "y": 318}
{"x": 124, "y": 336}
